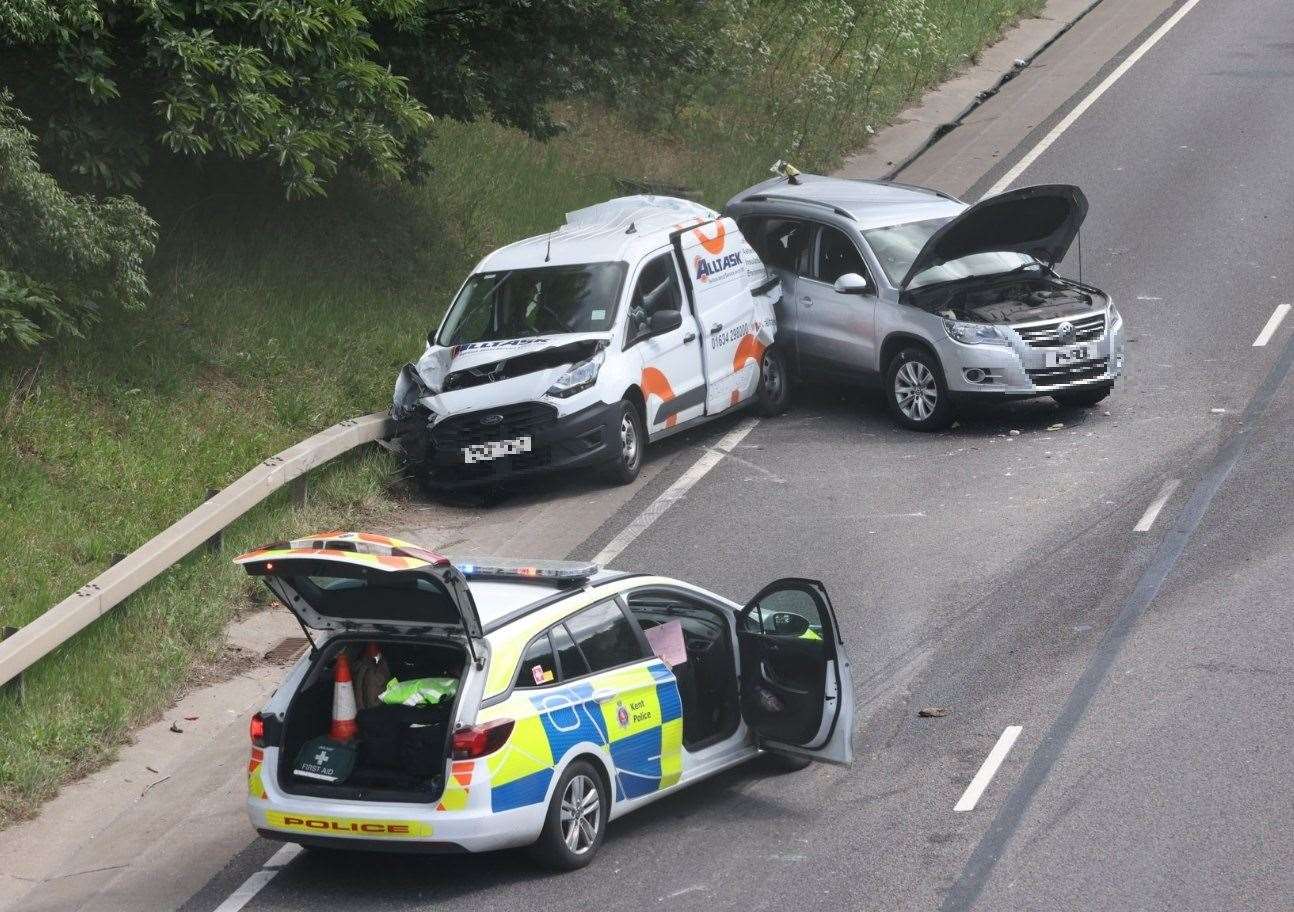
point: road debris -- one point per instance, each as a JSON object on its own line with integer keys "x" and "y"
{"x": 1014, "y": 432}
{"x": 175, "y": 727}
{"x": 932, "y": 712}
{"x": 1059, "y": 425}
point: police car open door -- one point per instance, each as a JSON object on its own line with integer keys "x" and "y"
{"x": 796, "y": 692}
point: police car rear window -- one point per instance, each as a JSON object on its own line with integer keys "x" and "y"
{"x": 605, "y": 636}
{"x": 389, "y": 597}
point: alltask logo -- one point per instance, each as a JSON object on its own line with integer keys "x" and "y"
{"x": 707, "y": 269}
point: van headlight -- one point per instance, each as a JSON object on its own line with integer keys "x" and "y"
{"x": 974, "y": 333}
{"x": 577, "y": 378}
{"x": 409, "y": 388}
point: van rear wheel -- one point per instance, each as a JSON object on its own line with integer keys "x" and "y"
{"x": 576, "y": 821}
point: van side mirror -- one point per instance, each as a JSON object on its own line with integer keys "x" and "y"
{"x": 663, "y": 321}
{"x": 852, "y": 283}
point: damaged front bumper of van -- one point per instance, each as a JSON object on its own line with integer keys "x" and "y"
{"x": 504, "y": 443}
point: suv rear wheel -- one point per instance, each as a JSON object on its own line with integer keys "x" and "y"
{"x": 916, "y": 392}
{"x": 774, "y": 383}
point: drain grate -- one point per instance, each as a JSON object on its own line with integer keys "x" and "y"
{"x": 286, "y": 651}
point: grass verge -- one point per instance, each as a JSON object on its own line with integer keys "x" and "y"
{"x": 271, "y": 321}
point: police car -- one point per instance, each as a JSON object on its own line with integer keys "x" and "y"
{"x": 581, "y": 694}
{"x": 636, "y": 319}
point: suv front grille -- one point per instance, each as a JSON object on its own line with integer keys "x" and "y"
{"x": 1045, "y": 335}
{"x": 518, "y": 420}
{"x": 1070, "y": 373}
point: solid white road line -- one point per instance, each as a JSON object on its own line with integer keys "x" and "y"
{"x": 1273, "y": 322}
{"x": 1032, "y": 155}
{"x": 257, "y": 881}
{"x": 243, "y": 895}
{"x": 677, "y": 491}
{"x": 1152, "y": 512}
{"x": 985, "y": 775}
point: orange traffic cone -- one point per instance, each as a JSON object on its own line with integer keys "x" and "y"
{"x": 343, "y": 702}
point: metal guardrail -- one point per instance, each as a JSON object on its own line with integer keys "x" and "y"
{"x": 32, "y": 642}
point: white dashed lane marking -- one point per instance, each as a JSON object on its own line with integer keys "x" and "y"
{"x": 985, "y": 775}
{"x": 1273, "y": 323}
{"x": 1152, "y": 512}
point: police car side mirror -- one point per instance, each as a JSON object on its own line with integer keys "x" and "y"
{"x": 851, "y": 283}
{"x": 663, "y": 321}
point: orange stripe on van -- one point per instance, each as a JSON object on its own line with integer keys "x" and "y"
{"x": 748, "y": 349}
{"x": 714, "y": 244}
{"x": 654, "y": 383}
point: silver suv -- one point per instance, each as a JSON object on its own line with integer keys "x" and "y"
{"x": 940, "y": 301}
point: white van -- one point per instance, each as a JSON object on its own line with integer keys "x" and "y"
{"x": 636, "y": 319}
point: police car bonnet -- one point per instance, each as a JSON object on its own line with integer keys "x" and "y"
{"x": 361, "y": 582}
{"x": 1040, "y": 222}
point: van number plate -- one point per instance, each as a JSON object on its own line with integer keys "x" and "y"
{"x": 495, "y": 449}
{"x": 1068, "y": 356}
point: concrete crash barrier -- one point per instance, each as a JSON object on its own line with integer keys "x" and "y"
{"x": 28, "y": 644}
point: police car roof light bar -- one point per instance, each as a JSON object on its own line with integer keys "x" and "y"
{"x": 551, "y": 571}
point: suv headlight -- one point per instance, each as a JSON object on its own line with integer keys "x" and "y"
{"x": 974, "y": 333}
{"x": 577, "y": 378}
{"x": 1116, "y": 318}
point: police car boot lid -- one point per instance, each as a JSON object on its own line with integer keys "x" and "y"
{"x": 371, "y": 720}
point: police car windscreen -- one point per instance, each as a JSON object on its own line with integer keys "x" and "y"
{"x": 544, "y": 300}
{"x": 395, "y": 599}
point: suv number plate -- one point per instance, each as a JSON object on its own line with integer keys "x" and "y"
{"x": 496, "y": 449}
{"x": 1068, "y": 356}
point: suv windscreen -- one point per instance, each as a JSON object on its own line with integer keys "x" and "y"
{"x": 521, "y": 303}
{"x": 897, "y": 246}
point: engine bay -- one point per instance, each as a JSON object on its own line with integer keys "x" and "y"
{"x": 1009, "y": 300}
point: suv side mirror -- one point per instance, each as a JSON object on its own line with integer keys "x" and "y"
{"x": 852, "y": 283}
{"x": 663, "y": 321}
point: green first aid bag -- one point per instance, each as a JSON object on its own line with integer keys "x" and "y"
{"x": 419, "y": 691}
{"x": 325, "y": 760}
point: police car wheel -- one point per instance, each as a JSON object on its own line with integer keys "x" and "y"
{"x": 627, "y": 443}
{"x": 774, "y": 383}
{"x": 916, "y": 392}
{"x": 576, "y": 821}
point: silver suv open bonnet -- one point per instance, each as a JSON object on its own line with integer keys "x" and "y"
{"x": 1040, "y": 222}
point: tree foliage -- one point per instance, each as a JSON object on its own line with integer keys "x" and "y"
{"x": 62, "y": 257}
{"x": 110, "y": 91}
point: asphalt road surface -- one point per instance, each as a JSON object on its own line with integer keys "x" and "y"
{"x": 1002, "y": 577}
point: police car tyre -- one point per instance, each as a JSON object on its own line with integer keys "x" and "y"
{"x": 1083, "y": 398}
{"x": 576, "y": 821}
{"x": 629, "y": 439}
{"x": 916, "y": 392}
{"x": 774, "y": 383}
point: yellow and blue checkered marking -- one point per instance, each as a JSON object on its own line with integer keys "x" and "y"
{"x": 641, "y": 726}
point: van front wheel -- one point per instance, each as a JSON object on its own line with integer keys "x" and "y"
{"x": 627, "y": 442}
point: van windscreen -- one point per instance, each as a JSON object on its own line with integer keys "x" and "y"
{"x": 544, "y": 300}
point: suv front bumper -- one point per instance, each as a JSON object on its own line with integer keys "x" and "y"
{"x": 1023, "y": 370}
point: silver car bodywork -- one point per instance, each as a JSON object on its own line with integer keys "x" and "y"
{"x": 1041, "y": 351}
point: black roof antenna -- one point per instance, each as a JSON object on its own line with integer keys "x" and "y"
{"x": 548, "y": 250}
{"x": 632, "y": 229}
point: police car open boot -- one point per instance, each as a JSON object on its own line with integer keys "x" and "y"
{"x": 400, "y": 697}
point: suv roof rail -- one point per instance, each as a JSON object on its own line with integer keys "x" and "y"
{"x": 935, "y": 191}
{"x": 782, "y": 198}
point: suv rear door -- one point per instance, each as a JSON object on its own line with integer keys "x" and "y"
{"x": 721, "y": 269}
{"x": 797, "y": 695}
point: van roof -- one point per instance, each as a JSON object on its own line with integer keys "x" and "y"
{"x": 619, "y": 230}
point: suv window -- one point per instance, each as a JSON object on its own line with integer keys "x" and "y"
{"x": 538, "y": 668}
{"x": 657, "y": 289}
{"x": 605, "y": 636}
{"x": 781, "y": 243}
{"x": 837, "y": 256}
